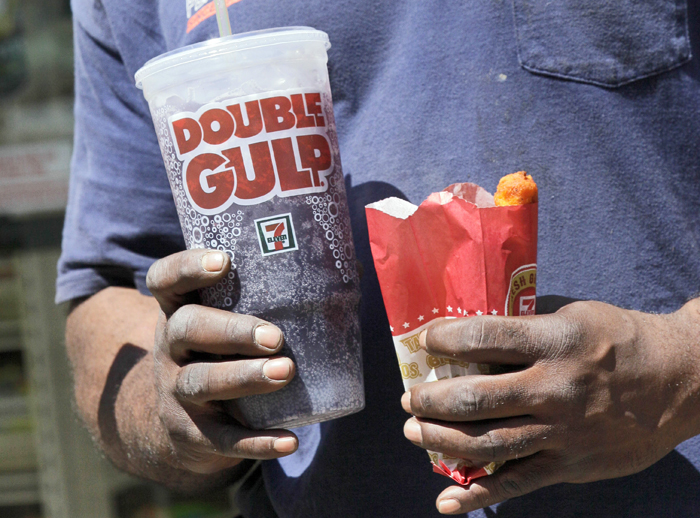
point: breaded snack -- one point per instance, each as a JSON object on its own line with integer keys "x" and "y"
{"x": 516, "y": 189}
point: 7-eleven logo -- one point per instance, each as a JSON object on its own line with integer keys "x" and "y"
{"x": 276, "y": 234}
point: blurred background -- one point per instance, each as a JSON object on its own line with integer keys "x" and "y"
{"x": 48, "y": 465}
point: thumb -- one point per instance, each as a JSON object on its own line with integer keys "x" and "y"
{"x": 515, "y": 478}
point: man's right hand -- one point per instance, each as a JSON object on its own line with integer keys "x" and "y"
{"x": 203, "y": 356}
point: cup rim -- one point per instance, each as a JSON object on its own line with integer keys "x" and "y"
{"x": 227, "y": 44}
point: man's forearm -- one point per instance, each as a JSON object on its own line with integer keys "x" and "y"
{"x": 109, "y": 339}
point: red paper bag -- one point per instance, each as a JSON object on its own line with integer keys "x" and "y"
{"x": 456, "y": 255}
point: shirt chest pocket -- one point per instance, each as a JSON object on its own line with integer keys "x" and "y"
{"x": 603, "y": 42}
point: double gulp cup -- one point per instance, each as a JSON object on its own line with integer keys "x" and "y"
{"x": 246, "y": 129}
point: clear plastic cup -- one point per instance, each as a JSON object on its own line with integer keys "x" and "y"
{"x": 246, "y": 129}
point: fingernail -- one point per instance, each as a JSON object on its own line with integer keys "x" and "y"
{"x": 412, "y": 431}
{"x": 449, "y": 506}
{"x": 421, "y": 338}
{"x": 277, "y": 369}
{"x": 268, "y": 336}
{"x": 406, "y": 401}
{"x": 213, "y": 262}
{"x": 285, "y": 445}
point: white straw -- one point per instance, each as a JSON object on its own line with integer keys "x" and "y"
{"x": 222, "y": 18}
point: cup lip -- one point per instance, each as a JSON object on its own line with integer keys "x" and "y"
{"x": 227, "y": 44}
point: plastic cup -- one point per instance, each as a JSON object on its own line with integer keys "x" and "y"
{"x": 246, "y": 129}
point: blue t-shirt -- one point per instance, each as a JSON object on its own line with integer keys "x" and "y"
{"x": 598, "y": 99}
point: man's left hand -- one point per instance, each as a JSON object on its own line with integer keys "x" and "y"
{"x": 594, "y": 392}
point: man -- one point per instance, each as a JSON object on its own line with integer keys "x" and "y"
{"x": 597, "y": 99}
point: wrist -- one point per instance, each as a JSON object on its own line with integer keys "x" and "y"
{"x": 680, "y": 339}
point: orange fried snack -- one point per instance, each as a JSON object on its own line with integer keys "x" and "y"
{"x": 516, "y": 189}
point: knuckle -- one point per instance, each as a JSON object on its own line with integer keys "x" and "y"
{"x": 511, "y": 486}
{"x": 245, "y": 374}
{"x": 236, "y": 445}
{"x": 494, "y": 445}
{"x": 576, "y": 308}
{"x": 183, "y": 266}
{"x": 574, "y": 333}
{"x": 181, "y": 324}
{"x": 434, "y": 336}
{"x": 467, "y": 403}
{"x": 569, "y": 332}
{"x": 445, "y": 336}
{"x": 262, "y": 446}
{"x": 434, "y": 439}
{"x": 237, "y": 327}
{"x": 246, "y": 378}
{"x": 229, "y": 442}
{"x": 473, "y": 332}
{"x": 520, "y": 482}
{"x": 574, "y": 316}
{"x": 421, "y": 400}
{"x": 471, "y": 401}
{"x": 193, "y": 382}
{"x": 155, "y": 277}
{"x": 481, "y": 498}
{"x": 248, "y": 375}
{"x": 518, "y": 335}
{"x": 482, "y": 332}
